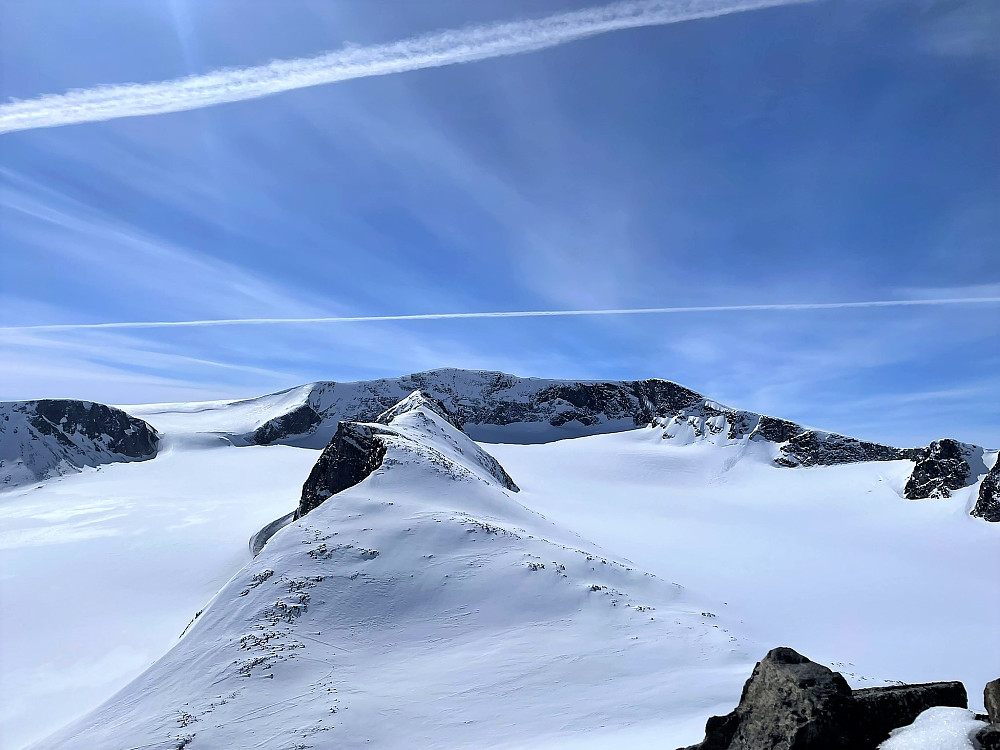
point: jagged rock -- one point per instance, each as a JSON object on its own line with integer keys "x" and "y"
{"x": 991, "y": 699}
{"x": 882, "y": 709}
{"x": 353, "y": 454}
{"x": 789, "y": 703}
{"x": 792, "y": 703}
{"x": 989, "y": 737}
{"x": 48, "y": 437}
{"x": 941, "y": 468}
{"x": 988, "y": 503}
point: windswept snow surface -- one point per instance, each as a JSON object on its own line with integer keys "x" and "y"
{"x": 453, "y": 634}
{"x": 426, "y": 607}
{"x": 101, "y": 571}
{"x": 831, "y": 561}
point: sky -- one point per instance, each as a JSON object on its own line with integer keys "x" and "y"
{"x": 819, "y": 152}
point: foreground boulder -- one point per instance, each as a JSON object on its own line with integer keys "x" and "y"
{"x": 792, "y": 703}
{"x": 789, "y": 703}
{"x": 882, "y": 709}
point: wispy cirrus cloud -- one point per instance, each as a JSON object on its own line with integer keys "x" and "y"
{"x": 448, "y": 47}
{"x": 794, "y": 307}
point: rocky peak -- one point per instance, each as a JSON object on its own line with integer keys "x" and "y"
{"x": 939, "y": 469}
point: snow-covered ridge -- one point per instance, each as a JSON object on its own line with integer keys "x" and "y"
{"x": 49, "y": 437}
{"x": 495, "y": 407}
{"x": 424, "y": 597}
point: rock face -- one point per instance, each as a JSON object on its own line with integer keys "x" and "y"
{"x": 988, "y": 504}
{"x": 789, "y": 703}
{"x": 353, "y": 454}
{"x": 49, "y": 437}
{"x": 358, "y": 449}
{"x": 882, "y": 709}
{"x": 940, "y": 469}
{"x": 792, "y": 703}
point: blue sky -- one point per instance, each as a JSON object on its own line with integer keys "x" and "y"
{"x": 833, "y": 151}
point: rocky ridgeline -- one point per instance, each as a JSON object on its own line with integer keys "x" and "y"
{"x": 46, "y": 438}
{"x": 792, "y": 703}
{"x": 497, "y": 407}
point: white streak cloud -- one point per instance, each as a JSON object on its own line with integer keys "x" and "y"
{"x": 514, "y": 314}
{"x": 428, "y": 51}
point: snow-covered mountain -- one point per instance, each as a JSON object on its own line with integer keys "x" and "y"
{"x": 422, "y": 607}
{"x": 51, "y": 437}
{"x": 408, "y": 586}
{"x": 495, "y": 407}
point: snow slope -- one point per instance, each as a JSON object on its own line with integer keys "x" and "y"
{"x": 100, "y": 571}
{"x": 108, "y": 566}
{"x": 426, "y": 607}
{"x": 831, "y": 561}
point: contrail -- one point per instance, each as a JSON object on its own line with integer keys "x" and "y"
{"x": 515, "y": 314}
{"x": 428, "y": 51}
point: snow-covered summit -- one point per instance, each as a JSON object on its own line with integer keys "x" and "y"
{"x": 49, "y": 437}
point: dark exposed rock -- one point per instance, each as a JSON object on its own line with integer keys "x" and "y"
{"x": 45, "y": 438}
{"x": 353, "y": 454}
{"x": 882, "y": 709}
{"x": 825, "y": 449}
{"x": 941, "y": 468}
{"x": 988, "y": 503}
{"x": 989, "y": 737}
{"x": 792, "y": 703}
{"x": 991, "y": 699}
{"x": 63, "y": 418}
{"x": 789, "y": 703}
{"x": 300, "y": 420}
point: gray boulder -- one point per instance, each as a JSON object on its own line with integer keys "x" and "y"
{"x": 789, "y": 703}
{"x": 792, "y": 703}
{"x": 882, "y": 709}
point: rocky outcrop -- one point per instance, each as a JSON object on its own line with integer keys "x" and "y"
{"x": 940, "y": 469}
{"x": 358, "y": 449}
{"x": 792, "y": 703}
{"x": 353, "y": 454}
{"x": 789, "y": 703}
{"x": 882, "y": 709}
{"x": 988, "y": 504}
{"x": 298, "y": 421}
{"x": 46, "y": 438}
